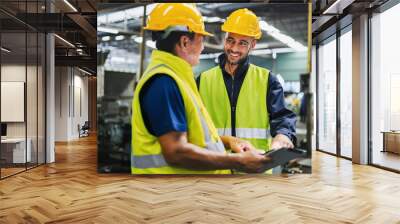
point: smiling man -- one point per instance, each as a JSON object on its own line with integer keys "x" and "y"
{"x": 245, "y": 100}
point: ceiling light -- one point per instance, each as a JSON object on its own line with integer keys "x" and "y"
{"x": 272, "y": 51}
{"x": 107, "y": 30}
{"x": 275, "y": 33}
{"x": 5, "y": 50}
{"x": 86, "y": 72}
{"x": 120, "y": 37}
{"x": 70, "y": 5}
{"x": 212, "y": 19}
{"x": 149, "y": 43}
{"x": 65, "y": 41}
{"x": 105, "y": 38}
{"x": 135, "y": 12}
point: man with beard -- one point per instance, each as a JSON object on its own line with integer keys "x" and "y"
{"x": 245, "y": 100}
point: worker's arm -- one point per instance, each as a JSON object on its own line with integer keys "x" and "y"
{"x": 177, "y": 151}
{"x": 282, "y": 120}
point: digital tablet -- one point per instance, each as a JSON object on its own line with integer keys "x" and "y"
{"x": 283, "y": 156}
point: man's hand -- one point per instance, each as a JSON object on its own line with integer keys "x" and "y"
{"x": 235, "y": 144}
{"x": 238, "y": 145}
{"x": 281, "y": 141}
{"x": 252, "y": 161}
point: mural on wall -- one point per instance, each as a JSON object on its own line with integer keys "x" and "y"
{"x": 282, "y": 48}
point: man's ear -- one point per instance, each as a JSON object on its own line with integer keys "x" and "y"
{"x": 183, "y": 41}
{"x": 253, "y": 44}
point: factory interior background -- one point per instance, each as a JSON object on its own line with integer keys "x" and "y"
{"x": 283, "y": 49}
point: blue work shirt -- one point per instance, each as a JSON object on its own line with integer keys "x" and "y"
{"x": 162, "y": 106}
{"x": 281, "y": 119}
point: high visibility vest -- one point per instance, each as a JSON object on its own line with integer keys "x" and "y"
{"x": 146, "y": 156}
{"x": 252, "y": 120}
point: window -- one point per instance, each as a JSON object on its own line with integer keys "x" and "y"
{"x": 346, "y": 93}
{"x": 385, "y": 89}
{"x": 22, "y": 77}
{"x": 327, "y": 96}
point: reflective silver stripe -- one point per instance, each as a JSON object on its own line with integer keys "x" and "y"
{"x": 156, "y": 161}
{"x": 212, "y": 146}
{"x": 216, "y": 146}
{"x": 224, "y": 131}
{"x": 258, "y": 133}
{"x": 202, "y": 120}
{"x": 148, "y": 161}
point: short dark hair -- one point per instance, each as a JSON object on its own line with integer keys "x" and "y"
{"x": 168, "y": 44}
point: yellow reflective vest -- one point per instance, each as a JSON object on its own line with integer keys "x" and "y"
{"x": 146, "y": 156}
{"x": 252, "y": 119}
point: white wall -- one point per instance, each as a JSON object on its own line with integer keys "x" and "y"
{"x": 61, "y": 103}
{"x": 71, "y": 94}
{"x": 13, "y": 73}
{"x": 80, "y": 115}
{"x": 33, "y": 126}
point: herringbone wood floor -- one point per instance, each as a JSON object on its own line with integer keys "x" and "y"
{"x": 70, "y": 191}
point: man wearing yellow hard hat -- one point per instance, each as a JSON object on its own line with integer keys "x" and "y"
{"x": 172, "y": 133}
{"x": 245, "y": 100}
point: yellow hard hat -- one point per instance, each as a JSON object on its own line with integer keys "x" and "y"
{"x": 167, "y": 15}
{"x": 243, "y": 22}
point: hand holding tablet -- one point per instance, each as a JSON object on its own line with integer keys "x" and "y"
{"x": 282, "y": 156}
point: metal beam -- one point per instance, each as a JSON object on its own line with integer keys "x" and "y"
{"x": 338, "y": 6}
{"x": 87, "y": 28}
{"x": 83, "y": 23}
{"x": 85, "y": 61}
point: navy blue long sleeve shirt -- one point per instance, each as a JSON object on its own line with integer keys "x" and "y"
{"x": 281, "y": 119}
{"x": 162, "y": 106}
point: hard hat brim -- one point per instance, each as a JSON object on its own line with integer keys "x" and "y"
{"x": 257, "y": 36}
{"x": 204, "y": 33}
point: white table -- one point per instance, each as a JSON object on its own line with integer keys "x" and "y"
{"x": 18, "y": 149}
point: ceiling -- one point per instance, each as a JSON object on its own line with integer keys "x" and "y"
{"x": 330, "y": 15}
{"x": 74, "y": 21}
